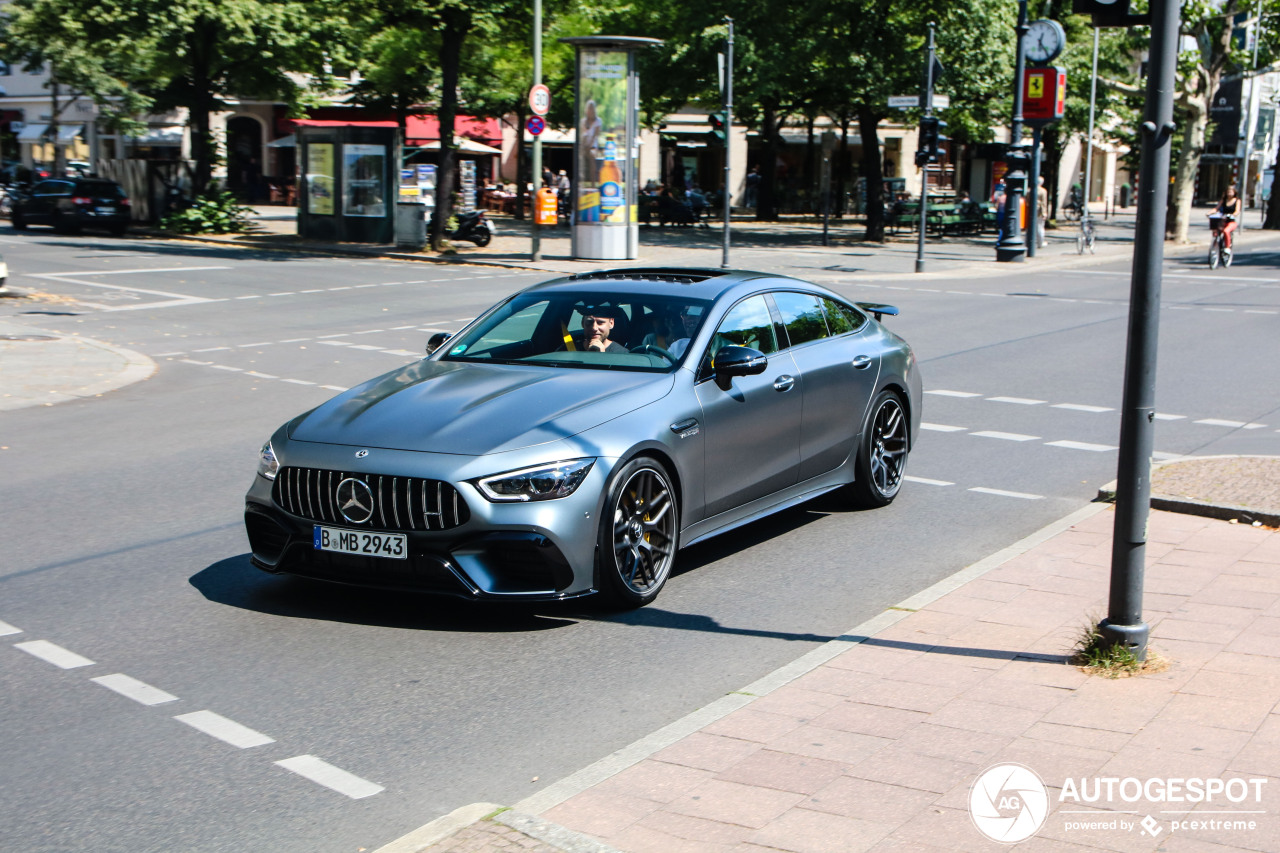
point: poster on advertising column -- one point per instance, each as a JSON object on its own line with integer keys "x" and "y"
{"x": 603, "y": 150}
{"x": 364, "y": 189}
{"x": 320, "y": 178}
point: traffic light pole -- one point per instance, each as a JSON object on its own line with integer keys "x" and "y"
{"x": 1124, "y": 626}
{"x": 924, "y": 167}
{"x": 1011, "y": 247}
{"x": 535, "y": 252}
{"x": 728, "y": 144}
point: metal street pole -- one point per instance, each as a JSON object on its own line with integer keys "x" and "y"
{"x": 924, "y": 168}
{"x": 1033, "y": 196}
{"x": 1248, "y": 120}
{"x": 1088, "y": 158}
{"x": 1011, "y": 247}
{"x": 536, "y": 250}
{"x": 728, "y": 140}
{"x": 1123, "y": 625}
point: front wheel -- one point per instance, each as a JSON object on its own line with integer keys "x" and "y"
{"x": 882, "y": 454}
{"x": 1213, "y": 254}
{"x": 639, "y": 534}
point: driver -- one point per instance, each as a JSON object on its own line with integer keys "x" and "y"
{"x": 597, "y": 325}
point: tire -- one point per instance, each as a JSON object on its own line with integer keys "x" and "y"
{"x": 1080, "y": 243}
{"x": 18, "y": 223}
{"x": 118, "y": 230}
{"x": 1213, "y": 255}
{"x": 1226, "y": 256}
{"x": 882, "y": 453}
{"x": 639, "y": 535}
{"x": 482, "y": 237}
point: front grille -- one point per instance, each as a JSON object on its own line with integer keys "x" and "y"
{"x": 399, "y": 503}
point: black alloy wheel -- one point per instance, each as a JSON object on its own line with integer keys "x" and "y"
{"x": 639, "y": 534}
{"x": 882, "y": 453}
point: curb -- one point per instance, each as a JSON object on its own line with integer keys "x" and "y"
{"x": 1192, "y": 506}
{"x": 609, "y": 766}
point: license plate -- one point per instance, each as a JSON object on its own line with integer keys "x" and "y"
{"x": 106, "y": 211}
{"x": 390, "y": 545}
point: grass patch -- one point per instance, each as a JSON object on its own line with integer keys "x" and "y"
{"x": 1096, "y": 655}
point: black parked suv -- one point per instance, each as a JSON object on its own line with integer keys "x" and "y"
{"x": 69, "y": 204}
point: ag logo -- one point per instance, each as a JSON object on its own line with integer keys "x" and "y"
{"x": 1008, "y": 803}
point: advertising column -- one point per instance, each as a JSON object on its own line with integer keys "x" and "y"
{"x": 605, "y": 224}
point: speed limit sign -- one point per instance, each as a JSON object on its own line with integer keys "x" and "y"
{"x": 540, "y": 100}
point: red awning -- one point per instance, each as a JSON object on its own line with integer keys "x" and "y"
{"x": 306, "y": 122}
{"x": 423, "y": 129}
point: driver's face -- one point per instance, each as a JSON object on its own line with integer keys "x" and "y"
{"x": 690, "y": 323}
{"x": 597, "y": 328}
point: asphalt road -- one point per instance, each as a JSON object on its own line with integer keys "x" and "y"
{"x": 123, "y": 541}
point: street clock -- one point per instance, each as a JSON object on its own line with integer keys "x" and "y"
{"x": 1044, "y": 40}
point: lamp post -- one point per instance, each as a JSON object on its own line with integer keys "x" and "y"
{"x": 1011, "y": 247}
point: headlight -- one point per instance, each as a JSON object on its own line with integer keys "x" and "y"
{"x": 541, "y": 483}
{"x": 268, "y": 465}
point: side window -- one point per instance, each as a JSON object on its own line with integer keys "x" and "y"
{"x": 802, "y": 315}
{"x": 842, "y": 318}
{"x": 748, "y": 324}
{"x": 52, "y": 188}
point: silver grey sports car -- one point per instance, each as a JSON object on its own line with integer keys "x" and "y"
{"x": 572, "y": 438}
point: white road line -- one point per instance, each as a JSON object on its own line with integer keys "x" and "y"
{"x": 337, "y": 335}
{"x": 1233, "y": 424}
{"x": 284, "y": 293}
{"x": 313, "y": 290}
{"x": 403, "y": 352}
{"x": 295, "y": 340}
{"x": 227, "y": 367}
{"x": 259, "y": 344}
{"x": 168, "y": 354}
{"x": 334, "y": 387}
{"x": 297, "y": 382}
{"x": 1161, "y": 416}
{"x": 340, "y": 288}
{"x": 366, "y": 347}
{"x": 134, "y": 272}
{"x": 925, "y": 481}
{"x": 1002, "y": 493}
{"x": 371, "y": 332}
{"x": 1080, "y": 407}
{"x": 138, "y": 691}
{"x": 1006, "y": 436}
{"x": 1254, "y": 311}
{"x": 942, "y": 427}
{"x": 228, "y": 731}
{"x": 323, "y": 773}
{"x": 193, "y": 361}
{"x": 211, "y": 349}
{"x": 260, "y": 375}
{"x": 6, "y": 629}
{"x": 1020, "y": 401}
{"x": 337, "y": 343}
{"x": 253, "y": 296}
{"x": 54, "y": 654}
{"x": 1080, "y": 445}
{"x": 942, "y": 393}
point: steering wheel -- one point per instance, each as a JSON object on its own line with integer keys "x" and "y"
{"x": 657, "y": 350}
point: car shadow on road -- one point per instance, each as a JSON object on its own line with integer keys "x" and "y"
{"x": 236, "y": 583}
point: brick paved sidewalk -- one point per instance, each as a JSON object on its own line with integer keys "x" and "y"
{"x": 877, "y": 747}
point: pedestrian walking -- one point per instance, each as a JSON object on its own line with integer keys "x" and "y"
{"x": 753, "y": 187}
{"x": 1042, "y": 213}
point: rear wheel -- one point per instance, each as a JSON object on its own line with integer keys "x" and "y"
{"x": 19, "y": 224}
{"x": 1226, "y": 256}
{"x": 639, "y": 534}
{"x": 882, "y": 453}
{"x": 1213, "y": 253}
{"x": 482, "y": 237}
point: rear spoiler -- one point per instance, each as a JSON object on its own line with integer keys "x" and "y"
{"x": 879, "y": 308}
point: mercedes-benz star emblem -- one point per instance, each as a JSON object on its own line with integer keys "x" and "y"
{"x": 360, "y": 454}
{"x": 355, "y": 500}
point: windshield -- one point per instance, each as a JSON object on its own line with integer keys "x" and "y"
{"x": 585, "y": 330}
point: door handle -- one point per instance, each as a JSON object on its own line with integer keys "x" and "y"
{"x": 784, "y": 383}
{"x": 861, "y": 362}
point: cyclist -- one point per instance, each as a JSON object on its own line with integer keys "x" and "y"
{"x": 1228, "y": 208}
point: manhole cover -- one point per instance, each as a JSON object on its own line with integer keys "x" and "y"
{"x": 27, "y": 338}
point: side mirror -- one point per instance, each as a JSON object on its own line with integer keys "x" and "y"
{"x": 734, "y": 361}
{"x": 437, "y": 340}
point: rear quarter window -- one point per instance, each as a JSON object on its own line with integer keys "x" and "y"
{"x": 101, "y": 189}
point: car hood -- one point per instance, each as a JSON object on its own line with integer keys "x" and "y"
{"x": 473, "y": 409}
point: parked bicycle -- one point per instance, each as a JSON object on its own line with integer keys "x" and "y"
{"x": 1219, "y": 251}
{"x": 1084, "y": 240}
{"x": 1074, "y": 209}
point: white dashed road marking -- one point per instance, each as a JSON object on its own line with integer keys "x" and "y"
{"x": 1005, "y": 436}
{"x": 323, "y": 773}
{"x": 54, "y": 654}
{"x": 942, "y": 393}
{"x": 228, "y": 731}
{"x": 925, "y": 481}
{"x": 1081, "y": 445}
{"x": 1232, "y": 424}
{"x": 1080, "y": 407}
{"x": 1002, "y": 493}
{"x": 1021, "y": 401}
{"x": 138, "y": 691}
{"x": 942, "y": 427}
{"x": 7, "y": 629}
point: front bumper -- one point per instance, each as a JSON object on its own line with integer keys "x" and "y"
{"x": 520, "y": 550}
